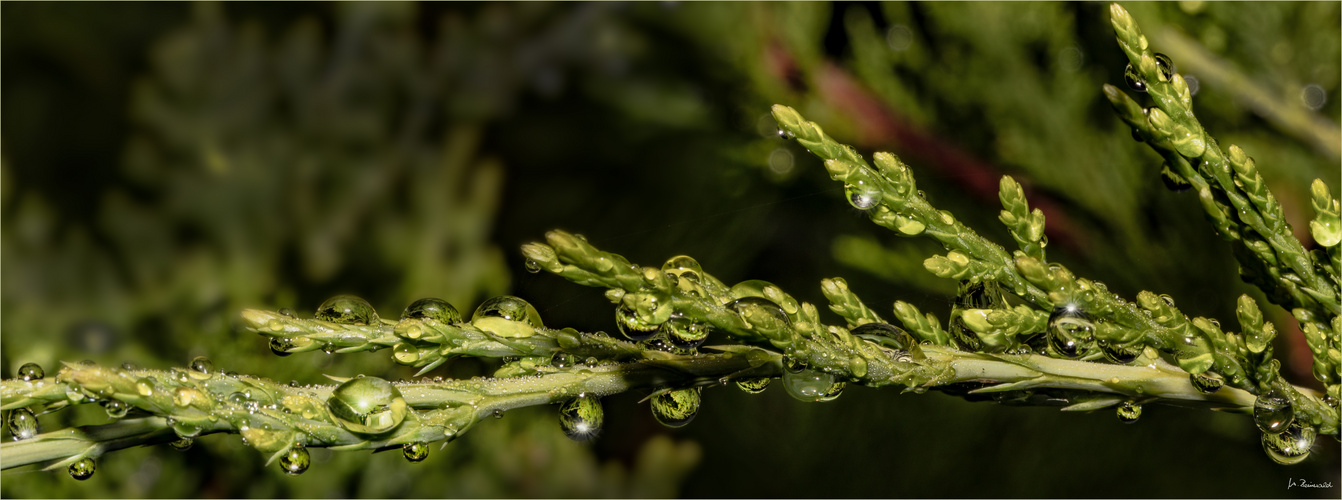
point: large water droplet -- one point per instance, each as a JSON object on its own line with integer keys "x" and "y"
{"x": 1133, "y": 79}
{"x": 405, "y": 353}
{"x": 510, "y": 308}
{"x": 753, "y": 385}
{"x": 676, "y": 408}
{"x": 581, "y": 417}
{"x": 760, "y": 314}
{"x": 532, "y": 266}
{"x": 1129, "y": 412}
{"x": 183, "y": 428}
{"x": 83, "y": 469}
{"x": 1206, "y": 382}
{"x": 900, "y": 338}
{"x": 683, "y": 332}
{"x": 30, "y": 372}
{"x": 367, "y": 405}
{"x": 432, "y": 308}
{"x": 347, "y": 310}
{"x": 296, "y": 460}
{"x": 116, "y": 408}
{"x": 1165, "y": 67}
{"x": 415, "y": 452}
{"x": 812, "y": 385}
{"x": 1273, "y": 411}
{"x": 861, "y": 195}
{"x": 1070, "y": 330}
{"x": 632, "y": 326}
{"x": 23, "y": 424}
{"x": 281, "y": 346}
{"x": 202, "y": 365}
{"x": 1291, "y": 445}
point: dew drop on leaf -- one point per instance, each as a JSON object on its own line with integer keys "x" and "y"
{"x": 116, "y": 408}
{"x": 23, "y": 424}
{"x": 415, "y": 452}
{"x": 367, "y": 405}
{"x": 753, "y": 385}
{"x": 1165, "y": 66}
{"x": 182, "y": 444}
{"x": 1120, "y": 354}
{"x": 296, "y": 460}
{"x": 1273, "y": 411}
{"x": 1070, "y": 330}
{"x": 811, "y": 385}
{"x": 432, "y": 308}
{"x": 1291, "y": 445}
{"x": 581, "y": 417}
{"x": 510, "y": 308}
{"x": 676, "y": 408}
{"x": 632, "y": 326}
{"x": 202, "y": 365}
{"x": 1206, "y": 382}
{"x": 1129, "y": 412}
{"x": 30, "y": 372}
{"x": 347, "y": 310}
{"x": 684, "y": 332}
{"x": 83, "y": 469}
{"x": 1133, "y": 79}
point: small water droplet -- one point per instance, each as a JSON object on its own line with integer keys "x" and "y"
{"x": 753, "y": 385}
{"x": 202, "y": 365}
{"x": 498, "y": 413}
{"x": 116, "y": 408}
{"x": 1206, "y": 382}
{"x": 581, "y": 418}
{"x": 1134, "y": 80}
{"x": 1291, "y": 445}
{"x": 683, "y": 332}
{"x": 676, "y": 408}
{"x": 405, "y": 353}
{"x": 632, "y": 326}
{"x": 1070, "y": 330}
{"x": 296, "y": 460}
{"x": 286, "y": 311}
{"x": 861, "y": 196}
{"x": 183, "y": 428}
{"x": 281, "y": 345}
{"x": 367, "y": 405}
{"x": 83, "y": 469}
{"x": 432, "y": 308}
{"x": 347, "y": 310}
{"x": 130, "y": 366}
{"x": 30, "y": 372}
{"x": 1129, "y": 412}
{"x": 23, "y": 424}
{"x": 1273, "y": 411}
{"x": 532, "y": 266}
{"x": 182, "y": 444}
{"x": 1137, "y": 136}
{"x": 415, "y": 452}
{"x": 785, "y": 135}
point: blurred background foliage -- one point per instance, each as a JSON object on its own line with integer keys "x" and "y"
{"x": 166, "y": 165}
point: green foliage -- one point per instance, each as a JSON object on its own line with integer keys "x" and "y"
{"x": 232, "y": 157}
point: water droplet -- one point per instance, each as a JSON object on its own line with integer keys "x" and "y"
{"x": 901, "y": 338}
{"x": 632, "y": 326}
{"x": 858, "y": 366}
{"x": 1137, "y": 136}
{"x": 285, "y": 311}
{"x": 87, "y": 363}
{"x": 281, "y": 345}
{"x": 23, "y": 424}
{"x": 785, "y": 135}
{"x": 1206, "y": 382}
{"x": 676, "y": 408}
{"x": 30, "y": 372}
{"x": 812, "y": 385}
{"x": 498, "y": 413}
{"x": 83, "y": 469}
{"x": 510, "y": 308}
{"x": 562, "y": 359}
{"x": 1291, "y": 445}
{"x": 182, "y": 444}
{"x": 405, "y": 353}
{"x": 861, "y": 195}
{"x": 1120, "y": 354}
{"x": 1129, "y": 412}
{"x": 532, "y": 266}
{"x": 432, "y": 308}
{"x": 581, "y": 417}
{"x": 129, "y": 366}
{"x": 684, "y": 332}
{"x": 296, "y": 460}
{"x": 116, "y": 408}
{"x": 753, "y": 385}
{"x": 367, "y": 405}
{"x": 1273, "y": 411}
{"x": 202, "y": 365}
{"x": 415, "y": 452}
{"x": 760, "y": 314}
{"x": 1165, "y": 67}
{"x": 1134, "y": 80}
{"x": 183, "y": 428}
{"x": 1069, "y": 330}
{"x": 907, "y": 226}
{"x": 144, "y": 386}
{"x": 347, "y": 310}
